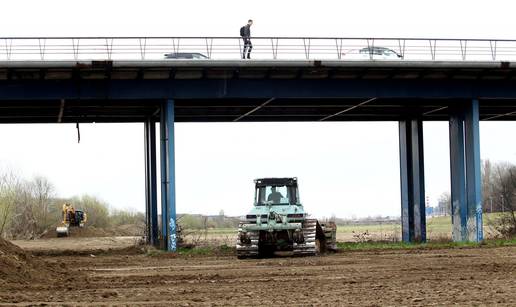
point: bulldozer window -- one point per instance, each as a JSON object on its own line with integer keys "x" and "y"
{"x": 278, "y": 195}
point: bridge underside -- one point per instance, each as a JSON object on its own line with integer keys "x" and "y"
{"x": 246, "y": 110}
{"x": 262, "y": 91}
{"x": 223, "y": 91}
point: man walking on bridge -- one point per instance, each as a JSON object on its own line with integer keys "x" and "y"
{"x": 245, "y": 33}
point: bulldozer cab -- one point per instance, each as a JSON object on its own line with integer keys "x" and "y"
{"x": 276, "y": 191}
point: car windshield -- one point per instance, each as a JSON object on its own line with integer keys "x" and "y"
{"x": 378, "y": 51}
{"x": 275, "y": 195}
{"x": 198, "y": 56}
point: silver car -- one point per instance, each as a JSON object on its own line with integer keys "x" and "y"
{"x": 186, "y": 56}
{"x": 375, "y": 53}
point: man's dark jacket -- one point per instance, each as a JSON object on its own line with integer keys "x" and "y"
{"x": 247, "y": 31}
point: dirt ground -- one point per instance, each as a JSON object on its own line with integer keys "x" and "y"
{"x": 70, "y": 245}
{"x": 469, "y": 276}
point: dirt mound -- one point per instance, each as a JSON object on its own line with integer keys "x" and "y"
{"x": 371, "y": 278}
{"x": 92, "y": 231}
{"x": 20, "y": 267}
{"x": 130, "y": 230}
{"x": 118, "y": 231}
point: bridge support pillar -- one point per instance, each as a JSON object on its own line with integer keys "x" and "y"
{"x": 466, "y": 197}
{"x": 412, "y": 175}
{"x": 168, "y": 189}
{"x": 151, "y": 200}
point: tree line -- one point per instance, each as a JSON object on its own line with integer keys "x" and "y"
{"x": 29, "y": 208}
{"x": 498, "y": 194}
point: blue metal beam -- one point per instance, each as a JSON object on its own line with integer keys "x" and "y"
{"x": 413, "y": 218}
{"x": 259, "y": 89}
{"x": 458, "y": 176}
{"x": 418, "y": 178}
{"x": 406, "y": 209}
{"x": 473, "y": 185}
{"x": 168, "y": 189}
{"x": 465, "y": 173}
{"x": 151, "y": 182}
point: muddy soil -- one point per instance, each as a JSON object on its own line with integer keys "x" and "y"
{"x": 74, "y": 245}
{"x": 20, "y": 268}
{"x": 92, "y": 231}
{"x": 472, "y": 276}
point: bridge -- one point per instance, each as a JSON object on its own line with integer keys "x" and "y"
{"x": 107, "y": 79}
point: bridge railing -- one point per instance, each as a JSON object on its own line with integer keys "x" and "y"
{"x": 264, "y": 48}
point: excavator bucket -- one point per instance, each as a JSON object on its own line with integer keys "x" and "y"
{"x": 62, "y": 231}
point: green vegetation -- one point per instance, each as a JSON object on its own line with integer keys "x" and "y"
{"x": 225, "y": 250}
{"x": 124, "y": 217}
{"x": 367, "y": 227}
{"x": 437, "y": 226}
{"x": 196, "y": 251}
{"x": 97, "y": 210}
{"x": 202, "y": 222}
{"x": 434, "y": 225}
{"x": 29, "y": 208}
{"x": 430, "y": 245}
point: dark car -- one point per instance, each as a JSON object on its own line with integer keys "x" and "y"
{"x": 186, "y": 56}
{"x": 375, "y": 53}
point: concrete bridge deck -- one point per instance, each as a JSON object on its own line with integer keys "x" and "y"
{"x": 256, "y": 90}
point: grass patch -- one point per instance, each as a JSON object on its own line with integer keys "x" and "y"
{"x": 196, "y": 251}
{"x": 225, "y": 250}
{"x": 207, "y": 250}
{"x": 350, "y": 246}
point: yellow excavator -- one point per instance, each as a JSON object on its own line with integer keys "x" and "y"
{"x": 71, "y": 218}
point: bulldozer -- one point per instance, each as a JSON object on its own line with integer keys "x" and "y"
{"x": 71, "y": 218}
{"x": 278, "y": 223}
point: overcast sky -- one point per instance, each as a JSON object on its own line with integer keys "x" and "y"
{"x": 343, "y": 168}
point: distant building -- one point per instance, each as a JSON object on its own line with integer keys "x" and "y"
{"x": 443, "y": 208}
{"x": 429, "y": 211}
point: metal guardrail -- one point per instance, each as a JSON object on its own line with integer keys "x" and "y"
{"x": 267, "y": 48}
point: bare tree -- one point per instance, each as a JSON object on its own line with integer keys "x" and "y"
{"x": 42, "y": 191}
{"x": 24, "y": 206}
{"x": 488, "y": 193}
{"x": 444, "y": 204}
{"x": 505, "y": 190}
{"x": 9, "y": 184}
{"x": 23, "y": 223}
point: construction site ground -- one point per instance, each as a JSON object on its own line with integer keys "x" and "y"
{"x": 116, "y": 272}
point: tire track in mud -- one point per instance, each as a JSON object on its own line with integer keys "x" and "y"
{"x": 483, "y": 276}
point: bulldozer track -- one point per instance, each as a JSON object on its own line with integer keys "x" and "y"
{"x": 330, "y": 236}
{"x": 310, "y": 247}
{"x": 247, "y": 251}
{"x": 318, "y": 238}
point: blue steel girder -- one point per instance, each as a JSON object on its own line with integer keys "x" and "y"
{"x": 465, "y": 172}
{"x": 151, "y": 182}
{"x": 413, "y": 217}
{"x": 244, "y": 88}
{"x": 458, "y": 176}
{"x": 406, "y": 209}
{"x": 168, "y": 190}
{"x": 473, "y": 173}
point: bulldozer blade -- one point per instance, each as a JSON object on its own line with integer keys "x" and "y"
{"x": 62, "y": 231}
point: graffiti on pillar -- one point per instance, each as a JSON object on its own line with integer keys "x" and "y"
{"x": 480, "y": 232}
{"x": 172, "y": 237}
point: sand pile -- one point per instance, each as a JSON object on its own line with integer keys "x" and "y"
{"x": 19, "y": 267}
{"x": 92, "y": 231}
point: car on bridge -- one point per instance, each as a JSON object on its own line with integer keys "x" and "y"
{"x": 186, "y": 56}
{"x": 374, "y": 53}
